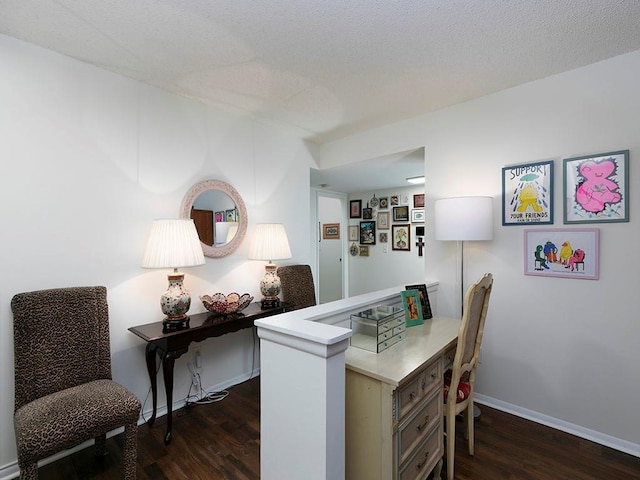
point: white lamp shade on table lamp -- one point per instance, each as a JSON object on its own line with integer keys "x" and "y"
{"x": 174, "y": 243}
{"x": 270, "y": 243}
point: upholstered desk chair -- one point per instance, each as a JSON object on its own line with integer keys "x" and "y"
{"x": 64, "y": 394}
{"x": 297, "y": 286}
{"x": 463, "y": 372}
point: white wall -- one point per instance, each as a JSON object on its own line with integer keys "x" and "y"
{"x": 560, "y": 350}
{"x": 89, "y": 159}
{"x": 385, "y": 267}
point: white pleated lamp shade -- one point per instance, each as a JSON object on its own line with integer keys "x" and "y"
{"x": 270, "y": 242}
{"x": 173, "y": 243}
{"x": 464, "y": 218}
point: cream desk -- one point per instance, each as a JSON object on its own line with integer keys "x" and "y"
{"x": 394, "y": 404}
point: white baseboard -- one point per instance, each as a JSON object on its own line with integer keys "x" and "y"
{"x": 11, "y": 470}
{"x": 577, "y": 430}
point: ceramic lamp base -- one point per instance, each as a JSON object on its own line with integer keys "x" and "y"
{"x": 270, "y": 287}
{"x": 176, "y": 301}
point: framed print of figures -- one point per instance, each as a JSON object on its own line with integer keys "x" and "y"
{"x": 367, "y": 233}
{"x": 527, "y": 194}
{"x": 355, "y": 208}
{"x": 596, "y": 188}
{"x": 562, "y": 252}
{"x": 418, "y": 200}
{"x": 400, "y": 237}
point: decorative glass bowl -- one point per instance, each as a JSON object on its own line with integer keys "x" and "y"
{"x": 222, "y": 304}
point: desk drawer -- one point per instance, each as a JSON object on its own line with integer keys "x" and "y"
{"x": 417, "y": 389}
{"x": 415, "y": 429}
{"x": 426, "y": 456}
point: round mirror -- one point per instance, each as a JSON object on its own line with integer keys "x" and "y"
{"x": 220, "y": 216}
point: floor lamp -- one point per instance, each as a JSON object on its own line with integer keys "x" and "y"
{"x": 464, "y": 218}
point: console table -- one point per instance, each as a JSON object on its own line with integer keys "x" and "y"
{"x": 170, "y": 343}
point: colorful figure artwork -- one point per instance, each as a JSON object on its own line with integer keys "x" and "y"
{"x": 562, "y": 252}
{"x": 595, "y": 188}
{"x": 527, "y": 194}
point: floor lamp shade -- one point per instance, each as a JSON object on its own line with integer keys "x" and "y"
{"x": 464, "y": 218}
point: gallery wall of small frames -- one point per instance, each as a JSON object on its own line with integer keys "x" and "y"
{"x": 595, "y": 191}
{"x": 397, "y": 220}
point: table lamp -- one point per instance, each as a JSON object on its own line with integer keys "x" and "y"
{"x": 174, "y": 243}
{"x": 270, "y": 243}
{"x": 462, "y": 219}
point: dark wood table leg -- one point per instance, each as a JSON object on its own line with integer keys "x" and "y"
{"x": 150, "y": 355}
{"x": 167, "y": 369}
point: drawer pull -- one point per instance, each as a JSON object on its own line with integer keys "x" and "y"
{"x": 434, "y": 375}
{"x": 412, "y": 395}
{"x": 424, "y": 384}
{"x": 421, "y": 425}
{"x": 421, "y": 464}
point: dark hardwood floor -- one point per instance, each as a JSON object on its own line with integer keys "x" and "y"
{"x": 222, "y": 441}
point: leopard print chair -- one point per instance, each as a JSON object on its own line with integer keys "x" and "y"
{"x": 64, "y": 394}
{"x": 297, "y": 286}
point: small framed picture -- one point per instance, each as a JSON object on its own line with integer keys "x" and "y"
{"x": 354, "y": 250}
{"x": 401, "y": 214}
{"x": 231, "y": 215}
{"x": 401, "y": 237}
{"x": 384, "y": 203}
{"x": 562, "y": 252}
{"x": 596, "y": 188}
{"x": 330, "y": 231}
{"x": 417, "y": 215}
{"x": 412, "y": 307}
{"x": 367, "y": 233}
{"x": 367, "y": 213}
{"x": 527, "y": 194}
{"x": 394, "y": 200}
{"x": 424, "y": 299}
{"x": 383, "y": 220}
{"x": 353, "y": 233}
{"x": 364, "y": 250}
{"x": 355, "y": 209}
{"x": 418, "y": 200}
{"x": 383, "y": 237}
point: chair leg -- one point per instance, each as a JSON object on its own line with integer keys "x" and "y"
{"x": 451, "y": 443}
{"x": 100, "y": 448}
{"x": 130, "y": 453}
{"x": 29, "y": 472}
{"x": 469, "y": 418}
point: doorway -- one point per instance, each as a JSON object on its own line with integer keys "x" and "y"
{"x": 331, "y": 209}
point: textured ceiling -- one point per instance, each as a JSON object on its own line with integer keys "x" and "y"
{"x": 329, "y": 68}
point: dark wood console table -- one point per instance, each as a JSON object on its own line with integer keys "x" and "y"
{"x": 170, "y": 344}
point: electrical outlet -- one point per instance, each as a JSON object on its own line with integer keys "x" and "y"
{"x": 198, "y": 359}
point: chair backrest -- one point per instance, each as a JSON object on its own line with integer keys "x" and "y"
{"x": 61, "y": 339}
{"x": 476, "y": 304}
{"x": 297, "y": 285}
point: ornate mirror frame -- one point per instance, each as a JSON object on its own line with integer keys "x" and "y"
{"x": 187, "y": 204}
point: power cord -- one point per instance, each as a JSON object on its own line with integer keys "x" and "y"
{"x": 200, "y": 396}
